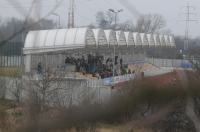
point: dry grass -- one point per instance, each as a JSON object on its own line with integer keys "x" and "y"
{"x": 11, "y": 72}
{"x": 120, "y": 110}
{"x": 4, "y": 106}
{"x": 122, "y": 113}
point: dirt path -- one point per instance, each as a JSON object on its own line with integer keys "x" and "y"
{"x": 190, "y": 107}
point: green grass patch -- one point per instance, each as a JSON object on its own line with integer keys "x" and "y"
{"x": 11, "y": 71}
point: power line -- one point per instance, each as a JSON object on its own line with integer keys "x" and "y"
{"x": 189, "y": 14}
{"x": 27, "y": 26}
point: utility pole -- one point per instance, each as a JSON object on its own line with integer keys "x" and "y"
{"x": 71, "y": 14}
{"x": 189, "y": 13}
{"x": 116, "y": 14}
{"x": 58, "y": 16}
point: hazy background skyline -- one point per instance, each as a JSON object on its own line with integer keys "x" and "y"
{"x": 85, "y": 11}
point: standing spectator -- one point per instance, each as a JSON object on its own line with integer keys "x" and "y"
{"x": 67, "y": 61}
{"x": 121, "y": 62}
{"x": 116, "y": 60}
{"x": 39, "y": 68}
{"x": 129, "y": 71}
{"x": 107, "y": 61}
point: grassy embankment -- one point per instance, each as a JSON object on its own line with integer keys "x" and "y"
{"x": 11, "y": 72}
{"x": 128, "y": 107}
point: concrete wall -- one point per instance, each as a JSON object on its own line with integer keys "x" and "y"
{"x": 10, "y": 88}
{"x": 168, "y": 62}
{"x": 75, "y": 91}
{"x": 62, "y": 91}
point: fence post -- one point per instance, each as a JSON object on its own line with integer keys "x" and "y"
{"x": 18, "y": 61}
{"x": 1, "y": 61}
{"x": 14, "y": 61}
{"x": 153, "y": 61}
{"x": 7, "y": 61}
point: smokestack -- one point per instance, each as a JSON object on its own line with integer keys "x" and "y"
{"x": 35, "y": 15}
{"x": 71, "y": 14}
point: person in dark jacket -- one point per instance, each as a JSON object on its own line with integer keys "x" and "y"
{"x": 39, "y": 68}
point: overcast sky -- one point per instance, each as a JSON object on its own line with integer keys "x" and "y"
{"x": 172, "y": 10}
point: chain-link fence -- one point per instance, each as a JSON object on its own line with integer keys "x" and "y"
{"x": 176, "y": 63}
{"x": 11, "y": 54}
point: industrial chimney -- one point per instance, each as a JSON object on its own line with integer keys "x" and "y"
{"x": 71, "y": 14}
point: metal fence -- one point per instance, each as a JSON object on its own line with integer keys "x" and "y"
{"x": 11, "y": 61}
{"x": 158, "y": 72}
{"x": 184, "y": 63}
{"x": 11, "y": 54}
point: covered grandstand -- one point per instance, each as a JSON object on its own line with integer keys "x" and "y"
{"x": 167, "y": 40}
{"x": 129, "y": 39}
{"x": 51, "y": 47}
{"x": 137, "y": 39}
{"x": 121, "y": 39}
{"x": 162, "y": 40}
{"x": 172, "y": 41}
{"x": 144, "y": 39}
{"x": 157, "y": 40}
{"x": 100, "y": 37}
{"x": 111, "y": 37}
{"x": 58, "y": 40}
{"x": 151, "y": 41}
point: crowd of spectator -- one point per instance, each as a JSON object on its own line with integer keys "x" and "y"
{"x": 95, "y": 65}
{"x": 98, "y": 66}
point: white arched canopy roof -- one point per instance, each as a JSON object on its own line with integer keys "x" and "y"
{"x": 129, "y": 38}
{"x": 156, "y": 40}
{"x": 121, "y": 39}
{"x": 144, "y": 39}
{"x": 58, "y": 39}
{"x": 100, "y": 37}
{"x": 111, "y": 37}
{"x": 167, "y": 41}
{"x": 75, "y": 38}
{"x": 151, "y": 41}
{"x": 137, "y": 39}
{"x": 162, "y": 40}
{"x": 172, "y": 41}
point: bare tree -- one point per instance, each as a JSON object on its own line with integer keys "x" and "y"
{"x": 104, "y": 19}
{"x": 110, "y": 18}
{"x": 91, "y": 26}
{"x": 16, "y": 90}
{"x": 14, "y": 25}
{"x": 100, "y": 19}
{"x": 126, "y": 26}
{"x": 150, "y": 23}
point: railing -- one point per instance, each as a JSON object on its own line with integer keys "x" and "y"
{"x": 161, "y": 71}
{"x": 11, "y": 61}
{"x": 107, "y": 82}
{"x": 177, "y": 63}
